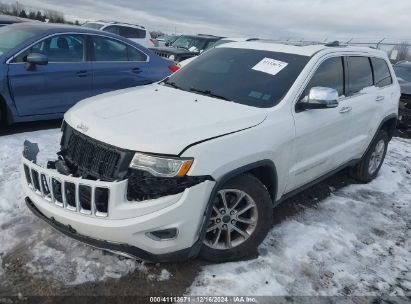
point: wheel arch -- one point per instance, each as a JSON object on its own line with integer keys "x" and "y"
{"x": 389, "y": 125}
{"x": 260, "y": 170}
{"x": 264, "y": 170}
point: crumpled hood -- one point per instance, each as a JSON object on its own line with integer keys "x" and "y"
{"x": 159, "y": 119}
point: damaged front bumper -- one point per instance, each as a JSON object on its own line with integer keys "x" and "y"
{"x": 98, "y": 213}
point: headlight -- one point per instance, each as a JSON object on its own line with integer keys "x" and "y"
{"x": 161, "y": 166}
{"x": 172, "y": 57}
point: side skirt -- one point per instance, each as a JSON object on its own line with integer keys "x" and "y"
{"x": 286, "y": 196}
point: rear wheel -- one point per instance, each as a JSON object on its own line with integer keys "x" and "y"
{"x": 372, "y": 161}
{"x": 240, "y": 220}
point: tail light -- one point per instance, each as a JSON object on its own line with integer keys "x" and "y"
{"x": 174, "y": 68}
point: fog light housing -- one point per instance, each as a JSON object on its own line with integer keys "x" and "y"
{"x": 163, "y": 235}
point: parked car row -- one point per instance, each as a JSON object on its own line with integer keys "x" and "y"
{"x": 47, "y": 68}
{"x": 185, "y": 47}
{"x": 133, "y": 32}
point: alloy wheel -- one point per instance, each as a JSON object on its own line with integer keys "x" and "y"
{"x": 376, "y": 157}
{"x": 233, "y": 219}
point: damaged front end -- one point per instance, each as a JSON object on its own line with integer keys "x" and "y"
{"x": 92, "y": 193}
{"x": 90, "y": 160}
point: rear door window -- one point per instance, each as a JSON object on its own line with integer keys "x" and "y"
{"x": 359, "y": 74}
{"x": 382, "y": 74}
{"x": 106, "y": 49}
{"x": 114, "y": 29}
{"x": 136, "y": 55}
{"x": 131, "y": 32}
{"x": 330, "y": 74}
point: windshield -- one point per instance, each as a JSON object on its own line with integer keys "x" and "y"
{"x": 10, "y": 37}
{"x": 403, "y": 73}
{"x": 189, "y": 43}
{"x": 95, "y": 26}
{"x": 250, "y": 77}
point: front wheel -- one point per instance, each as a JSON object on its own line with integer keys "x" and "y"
{"x": 241, "y": 218}
{"x": 372, "y": 161}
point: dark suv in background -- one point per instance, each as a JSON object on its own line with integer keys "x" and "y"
{"x": 403, "y": 72}
{"x": 186, "y": 46}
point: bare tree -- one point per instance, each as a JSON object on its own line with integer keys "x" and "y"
{"x": 402, "y": 50}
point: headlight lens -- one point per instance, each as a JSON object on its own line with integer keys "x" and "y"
{"x": 172, "y": 57}
{"x": 161, "y": 166}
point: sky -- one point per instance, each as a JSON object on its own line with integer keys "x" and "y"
{"x": 308, "y": 19}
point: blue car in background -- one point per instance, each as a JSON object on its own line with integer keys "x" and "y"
{"x": 46, "y": 68}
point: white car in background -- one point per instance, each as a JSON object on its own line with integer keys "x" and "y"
{"x": 133, "y": 32}
{"x": 213, "y": 45}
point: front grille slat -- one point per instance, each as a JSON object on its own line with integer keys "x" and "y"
{"x": 57, "y": 191}
{"x": 36, "y": 180}
{"x": 92, "y": 200}
{"x": 91, "y": 159}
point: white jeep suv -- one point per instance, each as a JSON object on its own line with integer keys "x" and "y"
{"x": 133, "y": 32}
{"x": 194, "y": 164}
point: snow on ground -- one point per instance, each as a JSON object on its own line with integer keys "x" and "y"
{"x": 356, "y": 242}
{"x": 50, "y": 253}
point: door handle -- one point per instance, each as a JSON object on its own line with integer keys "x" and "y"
{"x": 345, "y": 109}
{"x": 82, "y": 74}
{"x": 136, "y": 70}
{"x": 379, "y": 98}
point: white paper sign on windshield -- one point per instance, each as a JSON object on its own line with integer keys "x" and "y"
{"x": 270, "y": 66}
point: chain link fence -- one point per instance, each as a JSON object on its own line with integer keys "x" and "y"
{"x": 397, "y": 50}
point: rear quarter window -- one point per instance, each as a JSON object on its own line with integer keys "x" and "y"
{"x": 359, "y": 74}
{"x": 131, "y": 32}
{"x": 382, "y": 74}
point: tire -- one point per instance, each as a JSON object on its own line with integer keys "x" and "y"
{"x": 244, "y": 192}
{"x": 372, "y": 161}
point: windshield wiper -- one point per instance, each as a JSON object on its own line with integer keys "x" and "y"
{"x": 171, "y": 84}
{"x": 209, "y": 93}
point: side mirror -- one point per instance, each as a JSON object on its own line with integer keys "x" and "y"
{"x": 34, "y": 59}
{"x": 320, "y": 98}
